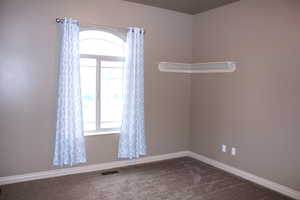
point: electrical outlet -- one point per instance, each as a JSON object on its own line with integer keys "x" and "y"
{"x": 224, "y": 148}
{"x": 233, "y": 151}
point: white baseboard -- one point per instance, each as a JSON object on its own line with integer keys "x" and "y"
{"x": 248, "y": 176}
{"x": 88, "y": 168}
{"x": 123, "y": 163}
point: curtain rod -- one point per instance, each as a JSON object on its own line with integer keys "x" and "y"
{"x": 61, "y": 20}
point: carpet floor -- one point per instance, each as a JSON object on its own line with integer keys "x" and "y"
{"x": 176, "y": 179}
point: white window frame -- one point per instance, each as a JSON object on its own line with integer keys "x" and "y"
{"x": 99, "y": 58}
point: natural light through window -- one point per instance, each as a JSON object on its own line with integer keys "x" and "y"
{"x": 101, "y": 43}
{"x": 101, "y": 69}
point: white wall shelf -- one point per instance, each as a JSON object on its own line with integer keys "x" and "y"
{"x": 211, "y": 67}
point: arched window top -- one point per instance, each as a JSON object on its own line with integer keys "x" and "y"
{"x": 94, "y": 42}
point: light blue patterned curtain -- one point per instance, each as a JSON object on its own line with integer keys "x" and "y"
{"x": 69, "y": 138}
{"x": 132, "y": 135}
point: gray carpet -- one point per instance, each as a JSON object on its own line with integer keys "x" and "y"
{"x": 177, "y": 179}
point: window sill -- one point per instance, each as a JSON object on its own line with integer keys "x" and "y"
{"x": 101, "y": 133}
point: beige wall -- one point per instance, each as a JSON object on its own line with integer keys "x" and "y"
{"x": 255, "y": 109}
{"x": 28, "y": 78}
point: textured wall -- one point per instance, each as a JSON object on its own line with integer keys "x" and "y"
{"x": 28, "y": 78}
{"x": 255, "y": 109}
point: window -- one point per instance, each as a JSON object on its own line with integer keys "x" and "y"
{"x": 101, "y": 68}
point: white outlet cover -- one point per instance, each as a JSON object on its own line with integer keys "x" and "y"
{"x": 224, "y": 148}
{"x": 233, "y": 151}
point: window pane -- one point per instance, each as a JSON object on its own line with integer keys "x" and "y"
{"x": 101, "y": 43}
{"x": 111, "y": 96}
{"x": 110, "y": 125}
{"x": 88, "y": 93}
{"x": 114, "y": 64}
{"x": 88, "y": 62}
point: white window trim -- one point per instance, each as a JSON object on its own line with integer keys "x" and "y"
{"x": 98, "y": 59}
{"x": 119, "y": 32}
{"x": 94, "y": 133}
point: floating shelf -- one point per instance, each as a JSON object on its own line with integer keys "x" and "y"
{"x": 212, "y": 67}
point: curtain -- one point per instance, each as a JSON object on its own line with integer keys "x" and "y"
{"x": 69, "y": 138}
{"x": 132, "y": 135}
